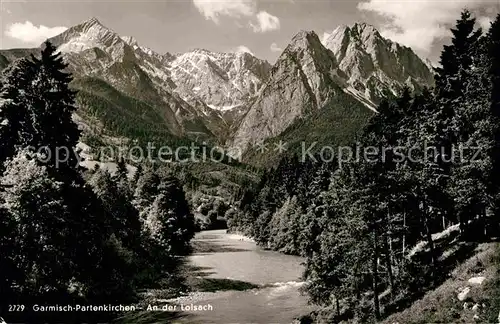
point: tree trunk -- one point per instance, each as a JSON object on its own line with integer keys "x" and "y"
{"x": 428, "y": 234}
{"x": 404, "y": 233}
{"x": 388, "y": 264}
{"x": 337, "y": 303}
{"x": 376, "y": 302}
{"x": 461, "y": 226}
{"x": 484, "y": 221}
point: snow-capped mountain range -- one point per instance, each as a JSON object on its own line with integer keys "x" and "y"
{"x": 222, "y": 80}
{"x": 237, "y": 98}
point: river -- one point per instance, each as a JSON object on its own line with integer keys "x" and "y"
{"x": 277, "y": 277}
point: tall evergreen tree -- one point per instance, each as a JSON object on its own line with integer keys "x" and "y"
{"x": 456, "y": 61}
{"x": 50, "y": 106}
{"x": 147, "y": 189}
{"x": 457, "y": 58}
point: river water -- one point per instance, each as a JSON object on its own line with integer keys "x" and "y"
{"x": 277, "y": 298}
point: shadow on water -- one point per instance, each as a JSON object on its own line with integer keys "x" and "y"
{"x": 215, "y": 284}
{"x": 207, "y": 247}
{"x": 200, "y": 271}
{"x": 200, "y": 282}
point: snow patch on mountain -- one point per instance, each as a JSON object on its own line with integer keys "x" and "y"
{"x": 223, "y": 108}
{"x": 221, "y": 80}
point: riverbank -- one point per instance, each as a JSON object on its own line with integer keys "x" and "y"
{"x": 242, "y": 282}
{"x": 240, "y": 237}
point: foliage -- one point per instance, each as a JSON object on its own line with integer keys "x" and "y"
{"x": 64, "y": 239}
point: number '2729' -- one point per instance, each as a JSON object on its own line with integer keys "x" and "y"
{"x": 16, "y": 308}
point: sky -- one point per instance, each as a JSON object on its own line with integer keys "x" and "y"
{"x": 262, "y": 27}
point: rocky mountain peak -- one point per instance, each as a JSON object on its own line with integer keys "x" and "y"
{"x": 375, "y": 67}
{"x": 90, "y": 34}
{"x": 130, "y": 40}
{"x": 91, "y": 22}
{"x": 307, "y": 51}
{"x": 363, "y": 30}
{"x": 360, "y": 35}
{"x": 354, "y": 63}
{"x": 303, "y": 80}
{"x": 304, "y": 39}
{"x": 201, "y": 51}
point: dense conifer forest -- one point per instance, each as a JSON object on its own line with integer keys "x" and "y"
{"x": 368, "y": 228}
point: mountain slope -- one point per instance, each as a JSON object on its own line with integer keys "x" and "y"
{"x": 337, "y": 124}
{"x": 353, "y": 67}
{"x": 304, "y": 79}
{"x": 120, "y": 114}
{"x": 93, "y": 50}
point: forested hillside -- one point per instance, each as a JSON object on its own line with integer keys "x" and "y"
{"x": 71, "y": 236}
{"x": 381, "y": 230}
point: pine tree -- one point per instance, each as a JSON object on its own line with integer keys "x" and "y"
{"x": 169, "y": 219}
{"x": 457, "y": 58}
{"x": 121, "y": 169}
{"x": 147, "y": 189}
{"x": 50, "y": 106}
{"x": 451, "y": 79}
{"x": 284, "y": 228}
{"x": 9, "y": 245}
{"x": 124, "y": 185}
{"x": 137, "y": 176}
{"x": 340, "y": 259}
{"x": 262, "y": 229}
{"x": 63, "y": 239}
{"x": 463, "y": 91}
{"x": 38, "y": 109}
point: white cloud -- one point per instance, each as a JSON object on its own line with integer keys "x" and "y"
{"x": 485, "y": 23}
{"x": 214, "y": 9}
{"x": 28, "y": 33}
{"x": 419, "y": 24}
{"x": 276, "y": 48}
{"x": 261, "y": 21}
{"x": 265, "y": 22}
{"x": 243, "y": 49}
